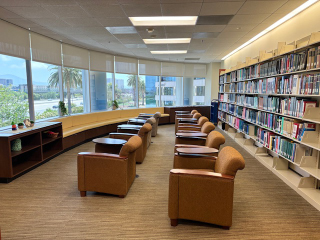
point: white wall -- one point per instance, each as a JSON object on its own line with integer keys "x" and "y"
{"x": 294, "y": 29}
{"x": 212, "y": 82}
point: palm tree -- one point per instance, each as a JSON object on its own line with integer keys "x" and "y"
{"x": 131, "y": 81}
{"x": 71, "y": 79}
{"x": 142, "y": 90}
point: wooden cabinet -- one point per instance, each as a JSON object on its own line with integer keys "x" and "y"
{"x": 37, "y": 147}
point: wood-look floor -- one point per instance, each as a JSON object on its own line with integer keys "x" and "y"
{"x": 45, "y": 203}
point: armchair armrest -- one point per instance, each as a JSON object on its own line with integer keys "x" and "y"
{"x": 190, "y": 128}
{"x": 195, "y": 172}
{"x": 124, "y": 136}
{"x": 108, "y": 155}
{"x": 194, "y": 161}
{"x": 189, "y": 125}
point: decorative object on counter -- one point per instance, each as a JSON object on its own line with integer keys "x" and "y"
{"x": 115, "y": 105}
{"x": 32, "y": 123}
{"x": 51, "y": 134}
{"x": 27, "y": 123}
{"x": 14, "y": 126}
{"x": 16, "y": 145}
{"x": 20, "y": 125}
{"x": 62, "y": 109}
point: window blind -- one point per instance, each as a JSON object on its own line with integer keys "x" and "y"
{"x": 45, "y": 49}
{"x": 195, "y": 70}
{"x": 75, "y": 57}
{"x": 14, "y": 41}
{"x": 126, "y": 65}
{"x": 101, "y": 62}
{"x": 172, "y": 69}
{"x": 149, "y": 68}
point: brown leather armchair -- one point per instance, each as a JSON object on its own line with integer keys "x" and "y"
{"x": 205, "y": 196}
{"x": 193, "y": 119}
{"x": 157, "y": 117}
{"x": 193, "y": 126}
{"x": 143, "y": 133}
{"x": 108, "y": 173}
{"x": 206, "y": 128}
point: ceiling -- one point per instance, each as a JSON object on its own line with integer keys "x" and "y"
{"x": 224, "y": 25}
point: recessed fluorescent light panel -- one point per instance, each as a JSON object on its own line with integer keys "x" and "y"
{"x": 164, "y": 21}
{"x": 273, "y": 26}
{"x": 169, "y": 52}
{"x": 122, "y": 30}
{"x": 167, "y": 40}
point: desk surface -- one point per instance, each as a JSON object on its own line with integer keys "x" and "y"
{"x": 137, "y": 120}
{"x": 129, "y": 126}
{"x": 197, "y": 150}
{"x": 111, "y": 141}
{"x": 189, "y": 134}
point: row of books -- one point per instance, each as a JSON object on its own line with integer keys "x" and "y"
{"x": 313, "y": 58}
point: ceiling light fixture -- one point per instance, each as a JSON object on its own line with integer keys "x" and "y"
{"x": 167, "y": 40}
{"x": 169, "y": 52}
{"x": 273, "y": 26}
{"x": 164, "y": 21}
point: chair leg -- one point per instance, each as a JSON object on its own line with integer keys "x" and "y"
{"x": 226, "y": 227}
{"x": 121, "y": 196}
{"x": 83, "y": 193}
{"x": 174, "y": 222}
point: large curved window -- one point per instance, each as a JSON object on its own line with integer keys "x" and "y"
{"x": 148, "y": 91}
{"x": 126, "y": 90}
{"x": 14, "y": 104}
{"x": 101, "y": 91}
{"x": 171, "y": 90}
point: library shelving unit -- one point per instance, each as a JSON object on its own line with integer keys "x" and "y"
{"x": 37, "y": 147}
{"x": 270, "y": 105}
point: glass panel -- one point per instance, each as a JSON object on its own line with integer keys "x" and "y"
{"x": 199, "y": 91}
{"x": 187, "y": 91}
{"x": 125, "y": 90}
{"x": 101, "y": 91}
{"x": 148, "y": 91}
{"x": 73, "y": 91}
{"x": 169, "y": 94}
{"x": 46, "y": 96}
{"x": 13, "y": 90}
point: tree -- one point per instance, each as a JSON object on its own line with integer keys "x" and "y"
{"x": 13, "y": 106}
{"x": 131, "y": 81}
{"x": 71, "y": 79}
{"x": 142, "y": 90}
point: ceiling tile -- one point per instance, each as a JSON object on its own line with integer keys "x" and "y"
{"x": 32, "y": 12}
{"x": 152, "y": 47}
{"x": 136, "y": 46}
{"x": 25, "y": 23}
{"x": 273, "y": 18}
{"x": 137, "y": 1}
{"x": 184, "y": 9}
{"x": 159, "y": 32}
{"x": 214, "y": 19}
{"x": 56, "y": 2}
{"x": 176, "y": 29}
{"x": 42, "y": 30}
{"x": 209, "y": 28}
{"x": 249, "y": 18}
{"x": 184, "y": 46}
{"x": 129, "y": 38}
{"x": 256, "y": 7}
{"x": 84, "y": 22}
{"x": 179, "y": 35}
{"x": 22, "y": 3}
{"x": 67, "y": 11}
{"x": 180, "y": 1}
{"x": 220, "y": 8}
{"x": 6, "y": 14}
{"x": 132, "y": 10}
{"x": 200, "y": 35}
{"x": 50, "y": 22}
{"x": 289, "y": 6}
{"x": 240, "y": 28}
{"x": 114, "y": 22}
{"x": 102, "y": 11}
{"x": 231, "y": 35}
{"x": 96, "y": 2}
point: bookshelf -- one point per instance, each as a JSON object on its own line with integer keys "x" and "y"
{"x": 270, "y": 105}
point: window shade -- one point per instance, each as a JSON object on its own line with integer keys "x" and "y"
{"x": 126, "y": 65}
{"x": 172, "y": 69}
{"x": 45, "y": 49}
{"x": 101, "y": 62}
{"x": 149, "y": 68}
{"x": 195, "y": 70}
{"x": 14, "y": 41}
{"x": 75, "y": 57}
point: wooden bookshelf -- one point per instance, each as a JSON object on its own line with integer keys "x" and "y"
{"x": 242, "y": 88}
{"x": 37, "y": 147}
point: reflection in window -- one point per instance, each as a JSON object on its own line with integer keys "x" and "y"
{"x": 45, "y": 82}
{"x": 169, "y": 95}
{"x": 126, "y": 90}
{"x": 101, "y": 91}
{"x": 14, "y": 104}
{"x": 148, "y": 91}
{"x": 199, "y": 91}
{"x": 73, "y": 92}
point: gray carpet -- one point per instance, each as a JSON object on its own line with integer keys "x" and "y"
{"x": 45, "y": 203}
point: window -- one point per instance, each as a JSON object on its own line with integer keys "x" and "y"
{"x": 46, "y": 95}
{"x": 14, "y": 104}
{"x": 73, "y": 90}
{"x": 148, "y": 91}
{"x": 169, "y": 94}
{"x": 101, "y": 91}
{"x": 199, "y": 91}
{"x": 126, "y": 90}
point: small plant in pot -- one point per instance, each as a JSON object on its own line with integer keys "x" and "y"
{"x": 14, "y": 126}
{"x": 62, "y": 108}
{"x": 20, "y": 125}
{"x": 114, "y": 105}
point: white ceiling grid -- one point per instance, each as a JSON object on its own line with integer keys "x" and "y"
{"x": 82, "y": 23}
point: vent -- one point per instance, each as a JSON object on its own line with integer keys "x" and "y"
{"x": 214, "y": 20}
{"x": 198, "y": 35}
{"x": 192, "y": 59}
{"x": 122, "y": 30}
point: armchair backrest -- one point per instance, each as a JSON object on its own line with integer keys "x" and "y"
{"x": 151, "y": 120}
{"x": 202, "y": 120}
{"x": 144, "y": 129}
{"x": 131, "y": 146}
{"x": 194, "y": 111}
{"x": 215, "y": 139}
{"x": 229, "y": 161}
{"x": 157, "y": 115}
{"x": 196, "y": 115}
{"x": 207, "y": 127}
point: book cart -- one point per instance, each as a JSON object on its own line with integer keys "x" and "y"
{"x": 270, "y": 105}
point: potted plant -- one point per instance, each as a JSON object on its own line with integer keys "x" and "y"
{"x": 20, "y": 125}
{"x": 14, "y": 126}
{"x": 62, "y": 108}
{"x": 114, "y": 105}
{"x": 32, "y": 123}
